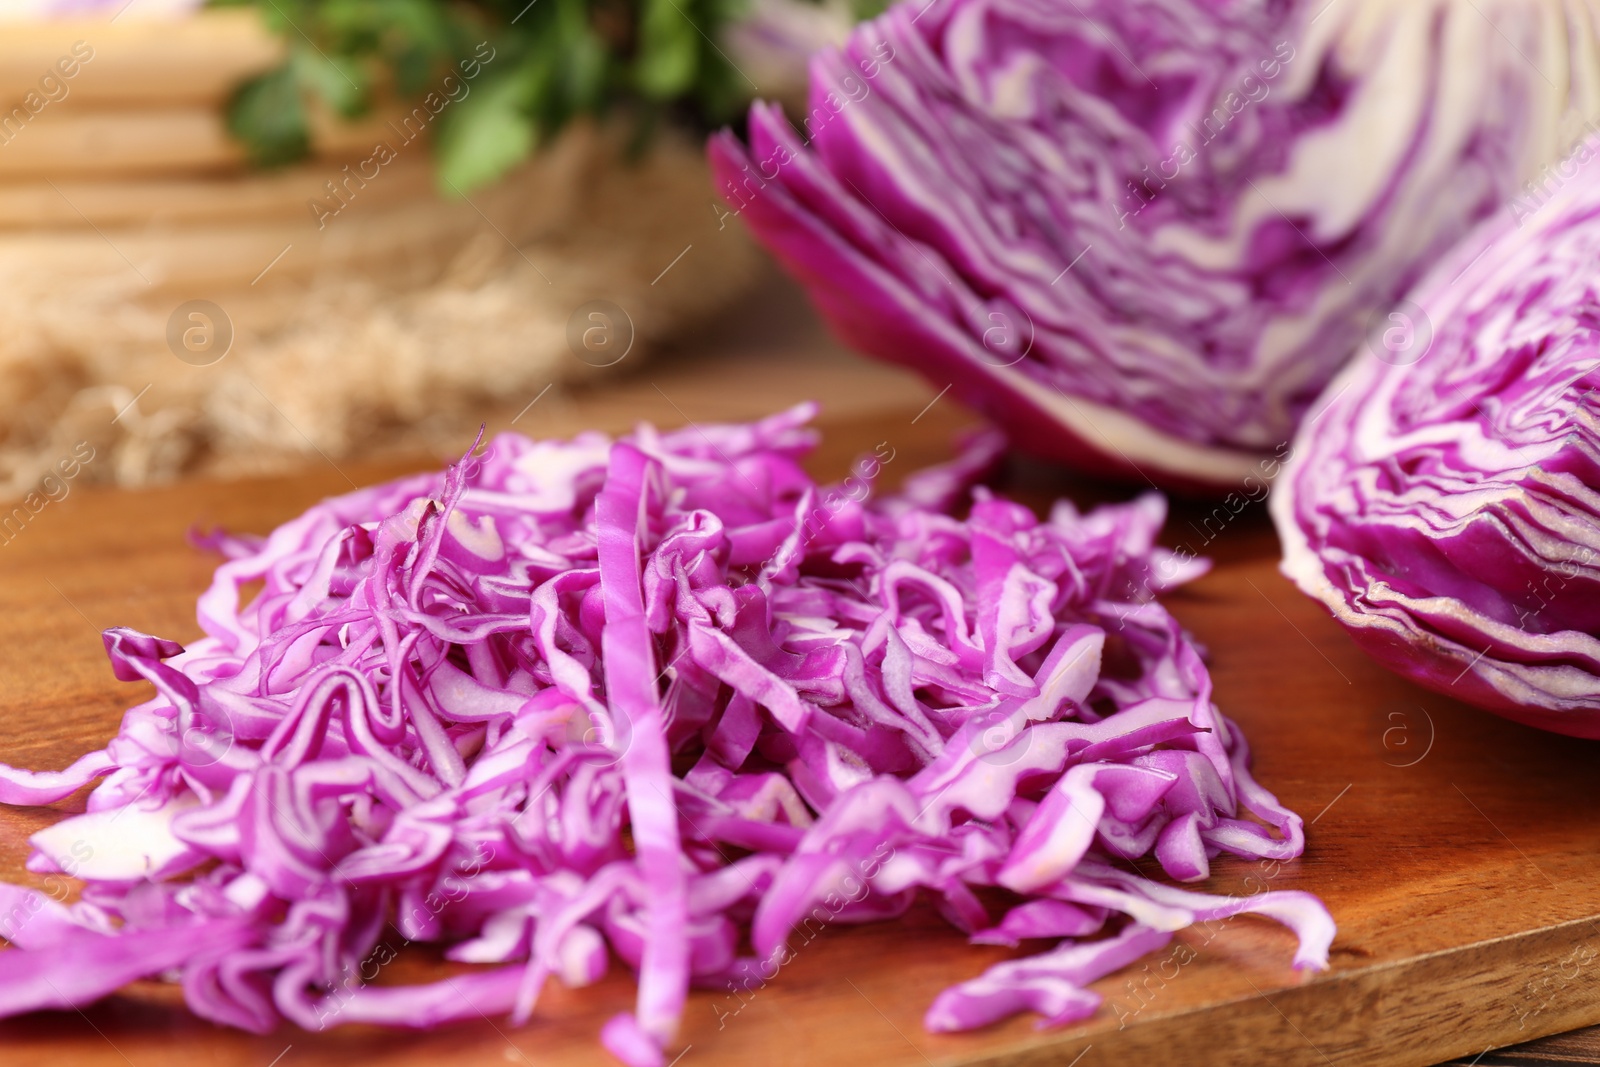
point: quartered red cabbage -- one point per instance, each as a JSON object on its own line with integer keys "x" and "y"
{"x": 662, "y": 698}
{"x": 1445, "y": 507}
{"x": 1142, "y": 235}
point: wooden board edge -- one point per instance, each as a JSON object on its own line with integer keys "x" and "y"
{"x": 1458, "y": 1002}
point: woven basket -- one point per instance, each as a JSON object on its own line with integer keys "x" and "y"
{"x": 389, "y": 316}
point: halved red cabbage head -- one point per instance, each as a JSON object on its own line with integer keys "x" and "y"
{"x": 1142, "y": 235}
{"x": 663, "y": 698}
{"x": 1445, "y": 505}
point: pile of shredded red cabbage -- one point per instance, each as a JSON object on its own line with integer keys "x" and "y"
{"x": 663, "y": 697}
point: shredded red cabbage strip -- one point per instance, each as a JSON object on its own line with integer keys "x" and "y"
{"x": 663, "y": 698}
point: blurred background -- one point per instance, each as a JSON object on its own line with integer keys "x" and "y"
{"x": 238, "y": 238}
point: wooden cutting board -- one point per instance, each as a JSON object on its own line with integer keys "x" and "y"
{"x": 1459, "y": 853}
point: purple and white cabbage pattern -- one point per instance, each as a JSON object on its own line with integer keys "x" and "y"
{"x": 1445, "y": 506}
{"x": 663, "y": 697}
{"x": 1142, "y": 235}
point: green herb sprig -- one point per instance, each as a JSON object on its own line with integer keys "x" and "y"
{"x": 553, "y": 60}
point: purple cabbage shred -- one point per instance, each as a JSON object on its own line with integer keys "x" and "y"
{"x": 661, "y": 699}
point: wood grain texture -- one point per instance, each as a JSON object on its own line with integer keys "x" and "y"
{"x": 138, "y": 61}
{"x": 172, "y": 141}
{"x": 255, "y": 197}
{"x": 1562, "y": 1050}
{"x": 147, "y": 99}
{"x": 1456, "y": 850}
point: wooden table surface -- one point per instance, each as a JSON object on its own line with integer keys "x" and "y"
{"x": 1457, "y": 851}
